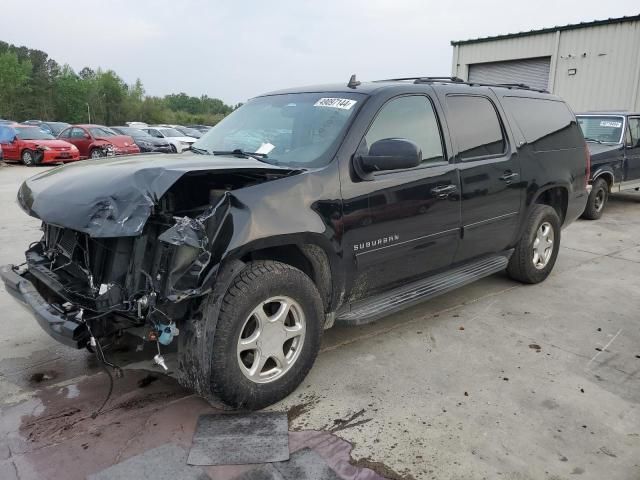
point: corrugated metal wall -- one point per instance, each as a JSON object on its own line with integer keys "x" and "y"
{"x": 593, "y": 68}
{"x": 530, "y": 71}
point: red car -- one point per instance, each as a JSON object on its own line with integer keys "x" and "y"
{"x": 33, "y": 146}
{"x": 95, "y": 141}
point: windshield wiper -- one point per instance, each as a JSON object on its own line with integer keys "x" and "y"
{"x": 241, "y": 153}
{"x": 199, "y": 151}
{"x": 592, "y": 140}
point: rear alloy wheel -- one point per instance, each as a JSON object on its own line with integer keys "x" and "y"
{"x": 536, "y": 252}
{"x": 96, "y": 153}
{"x": 28, "y": 158}
{"x": 597, "y": 200}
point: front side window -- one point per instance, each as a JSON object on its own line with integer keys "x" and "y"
{"x": 66, "y": 133}
{"x": 300, "y": 129}
{"x": 475, "y": 126}
{"x": 411, "y": 118}
{"x": 601, "y": 128}
{"x": 77, "y": 133}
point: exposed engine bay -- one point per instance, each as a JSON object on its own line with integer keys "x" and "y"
{"x": 137, "y": 283}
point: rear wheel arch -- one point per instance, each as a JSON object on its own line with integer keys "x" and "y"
{"x": 557, "y": 197}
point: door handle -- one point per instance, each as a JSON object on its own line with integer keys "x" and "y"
{"x": 509, "y": 176}
{"x": 443, "y": 192}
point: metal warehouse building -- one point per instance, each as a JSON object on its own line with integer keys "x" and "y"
{"x": 592, "y": 65}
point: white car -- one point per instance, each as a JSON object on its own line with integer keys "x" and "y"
{"x": 178, "y": 141}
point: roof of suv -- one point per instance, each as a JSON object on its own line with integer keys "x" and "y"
{"x": 370, "y": 88}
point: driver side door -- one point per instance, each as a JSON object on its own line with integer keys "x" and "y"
{"x": 632, "y": 151}
{"x": 9, "y": 143}
{"x": 408, "y": 226}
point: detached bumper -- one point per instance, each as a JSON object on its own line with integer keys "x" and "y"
{"x": 60, "y": 325}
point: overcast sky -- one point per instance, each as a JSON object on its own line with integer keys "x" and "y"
{"x": 236, "y": 49}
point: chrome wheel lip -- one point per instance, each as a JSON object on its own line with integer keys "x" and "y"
{"x": 268, "y": 339}
{"x": 543, "y": 245}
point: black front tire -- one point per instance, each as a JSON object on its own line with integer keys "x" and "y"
{"x": 208, "y": 356}
{"x": 521, "y": 265}
{"x": 597, "y": 200}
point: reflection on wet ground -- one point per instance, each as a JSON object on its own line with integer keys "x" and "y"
{"x": 53, "y": 433}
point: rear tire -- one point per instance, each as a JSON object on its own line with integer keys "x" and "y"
{"x": 28, "y": 158}
{"x": 597, "y": 200}
{"x": 174, "y": 149}
{"x": 222, "y": 356}
{"x": 536, "y": 252}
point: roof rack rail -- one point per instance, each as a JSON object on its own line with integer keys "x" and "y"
{"x": 459, "y": 81}
{"x": 423, "y": 79}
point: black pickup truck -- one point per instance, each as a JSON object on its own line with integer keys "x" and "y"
{"x": 304, "y": 208}
{"x": 614, "y": 144}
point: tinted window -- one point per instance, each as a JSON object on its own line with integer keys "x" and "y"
{"x": 634, "y": 130}
{"x": 66, "y": 133}
{"x": 545, "y": 124}
{"x": 411, "y": 118}
{"x": 475, "y": 125}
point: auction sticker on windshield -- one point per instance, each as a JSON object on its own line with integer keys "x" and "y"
{"x": 342, "y": 103}
{"x": 608, "y": 123}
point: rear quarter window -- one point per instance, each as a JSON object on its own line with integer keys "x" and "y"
{"x": 546, "y": 125}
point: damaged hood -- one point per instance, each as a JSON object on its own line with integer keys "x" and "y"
{"x": 114, "y": 197}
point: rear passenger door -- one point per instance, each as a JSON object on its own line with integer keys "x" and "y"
{"x": 489, "y": 174}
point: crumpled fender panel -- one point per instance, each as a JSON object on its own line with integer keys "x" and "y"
{"x": 114, "y": 197}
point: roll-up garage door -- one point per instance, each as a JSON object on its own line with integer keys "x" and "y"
{"x": 530, "y": 71}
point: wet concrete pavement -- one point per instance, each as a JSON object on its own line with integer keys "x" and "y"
{"x": 495, "y": 380}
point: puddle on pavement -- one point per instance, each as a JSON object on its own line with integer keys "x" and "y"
{"x": 53, "y": 434}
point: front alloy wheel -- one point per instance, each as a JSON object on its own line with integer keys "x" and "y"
{"x": 28, "y": 158}
{"x": 271, "y": 339}
{"x": 254, "y": 345}
{"x": 96, "y": 153}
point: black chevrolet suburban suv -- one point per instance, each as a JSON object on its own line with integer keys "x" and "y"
{"x": 304, "y": 208}
{"x": 614, "y": 144}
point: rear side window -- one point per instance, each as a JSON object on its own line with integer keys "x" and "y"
{"x": 475, "y": 126}
{"x": 546, "y": 124}
{"x": 412, "y": 118}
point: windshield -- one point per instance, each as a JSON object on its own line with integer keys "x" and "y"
{"x": 170, "y": 132}
{"x": 56, "y": 127}
{"x": 99, "y": 132}
{"x": 299, "y": 129}
{"x": 133, "y": 132}
{"x": 32, "y": 133}
{"x": 606, "y": 129}
{"x": 190, "y": 132}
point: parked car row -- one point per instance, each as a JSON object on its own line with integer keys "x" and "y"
{"x": 37, "y": 142}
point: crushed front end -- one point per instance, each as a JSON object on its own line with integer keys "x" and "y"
{"x": 89, "y": 287}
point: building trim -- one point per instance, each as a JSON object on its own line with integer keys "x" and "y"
{"x": 572, "y": 26}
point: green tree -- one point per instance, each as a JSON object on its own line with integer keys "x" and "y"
{"x": 14, "y": 78}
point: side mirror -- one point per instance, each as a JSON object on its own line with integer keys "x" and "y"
{"x": 14, "y": 139}
{"x": 87, "y": 136}
{"x": 390, "y": 154}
